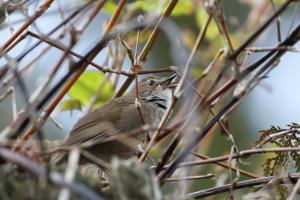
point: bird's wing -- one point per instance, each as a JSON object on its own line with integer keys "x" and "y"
{"x": 91, "y": 134}
{"x": 98, "y": 124}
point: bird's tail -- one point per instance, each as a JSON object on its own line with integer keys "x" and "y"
{"x": 54, "y": 156}
{"x": 57, "y": 158}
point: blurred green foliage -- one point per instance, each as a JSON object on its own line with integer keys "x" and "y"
{"x": 212, "y": 31}
{"x": 109, "y": 7}
{"x": 70, "y": 104}
{"x": 183, "y": 7}
{"x": 90, "y": 83}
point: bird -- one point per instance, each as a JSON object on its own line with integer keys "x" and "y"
{"x": 120, "y": 116}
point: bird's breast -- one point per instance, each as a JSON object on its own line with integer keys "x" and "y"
{"x": 152, "y": 114}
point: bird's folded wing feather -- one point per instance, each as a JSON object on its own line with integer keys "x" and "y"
{"x": 98, "y": 124}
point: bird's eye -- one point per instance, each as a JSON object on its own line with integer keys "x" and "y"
{"x": 151, "y": 82}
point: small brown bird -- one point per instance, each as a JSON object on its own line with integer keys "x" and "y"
{"x": 120, "y": 115}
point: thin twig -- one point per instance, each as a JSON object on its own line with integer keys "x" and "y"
{"x": 225, "y": 165}
{"x": 148, "y": 46}
{"x": 43, "y": 8}
{"x": 277, "y": 22}
{"x": 242, "y": 184}
{"x": 241, "y": 154}
{"x": 66, "y": 50}
{"x": 265, "y": 49}
{"x": 260, "y": 29}
{"x": 69, "y": 84}
{"x": 190, "y": 178}
{"x": 177, "y": 92}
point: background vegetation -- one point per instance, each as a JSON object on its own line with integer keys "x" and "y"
{"x": 232, "y": 130}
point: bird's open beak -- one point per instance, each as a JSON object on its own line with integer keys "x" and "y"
{"x": 169, "y": 82}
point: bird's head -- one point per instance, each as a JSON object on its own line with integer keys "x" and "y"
{"x": 155, "y": 89}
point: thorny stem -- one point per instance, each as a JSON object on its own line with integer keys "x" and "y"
{"x": 23, "y": 120}
{"x": 294, "y": 37}
{"x": 20, "y": 57}
{"x": 260, "y": 29}
{"x": 274, "y": 54}
{"x": 289, "y": 41}
{"x": 66, "y": 88}
{"x": 177, "y": 90}
{"x": 143, "y": 55}
{"x": 194, "y": 141}
{"x": 46, "y": 4}
{"x": 59, "y": 46}
{"x": 199, "y": 100}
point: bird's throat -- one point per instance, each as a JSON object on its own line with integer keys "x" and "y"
{"x": 162, "y": 100}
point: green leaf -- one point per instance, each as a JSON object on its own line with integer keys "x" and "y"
{"x": 109, "y": 7}
{"x": 212, "y": 31}
{"x": 278, "y": 1}
{"x": 146, "y": 5}
{"x": 183, "y": 7}
{"x": 70, "y": 104}
{"x": 197, "y": 72}
{"x": 87, "y": 85}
